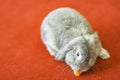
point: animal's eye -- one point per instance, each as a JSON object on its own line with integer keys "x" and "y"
{"x": 78, "y": 54}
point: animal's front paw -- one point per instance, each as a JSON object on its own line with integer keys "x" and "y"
{"x": 104, "y": 54}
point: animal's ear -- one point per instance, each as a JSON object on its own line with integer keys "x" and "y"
{"x": 61, "y": 54}
{"x": 92, "y": 38}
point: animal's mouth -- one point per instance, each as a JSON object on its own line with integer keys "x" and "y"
{"x": 77, "y": 72}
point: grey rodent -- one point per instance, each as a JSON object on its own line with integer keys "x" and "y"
{"x": 69, "y": 37}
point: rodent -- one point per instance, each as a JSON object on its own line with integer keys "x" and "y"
{"x": 69, "y": 37}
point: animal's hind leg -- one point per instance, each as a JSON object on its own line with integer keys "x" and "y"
{"x": 49, "y": 39}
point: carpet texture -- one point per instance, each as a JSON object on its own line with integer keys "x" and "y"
{"x": 23, "y": 55}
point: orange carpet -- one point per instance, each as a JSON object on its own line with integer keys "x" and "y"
{"x": 23, "y": 55}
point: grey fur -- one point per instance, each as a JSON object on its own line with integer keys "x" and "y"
{"x": 69, "y": 37}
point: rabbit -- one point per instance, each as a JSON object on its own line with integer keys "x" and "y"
{"x": 69, "y": 37}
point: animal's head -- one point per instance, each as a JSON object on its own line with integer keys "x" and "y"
{"x": 80, "y": 53}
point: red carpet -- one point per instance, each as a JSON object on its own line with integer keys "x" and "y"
{"x": 23, "y": 56}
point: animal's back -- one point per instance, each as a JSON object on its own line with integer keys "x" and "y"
{"x": 65, "y": 24}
